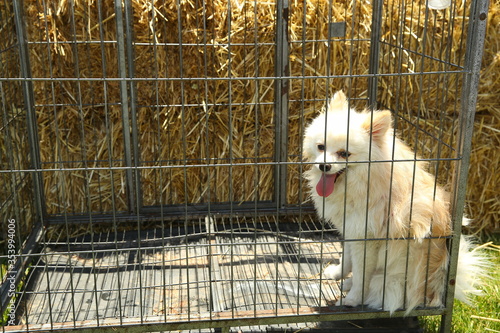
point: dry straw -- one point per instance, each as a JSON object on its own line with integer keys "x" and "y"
{"x": 229, "y": 117}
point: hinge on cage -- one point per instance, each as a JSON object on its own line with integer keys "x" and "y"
{"x": 337, "y": 29}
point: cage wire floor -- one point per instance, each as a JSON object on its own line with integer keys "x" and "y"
{"x": 227, "y": 268}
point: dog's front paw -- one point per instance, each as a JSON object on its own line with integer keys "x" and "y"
{"x": 334, "y": 272}
{"x": 351, "y": 300}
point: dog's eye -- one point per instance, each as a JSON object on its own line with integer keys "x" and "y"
{"x": 343, "y": 153}
{"x": 321, "y": 147}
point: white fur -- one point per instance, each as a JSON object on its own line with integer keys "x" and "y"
{"x": 398, "y": 201}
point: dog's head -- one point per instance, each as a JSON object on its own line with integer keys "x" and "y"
{"x": 339, "y": 139}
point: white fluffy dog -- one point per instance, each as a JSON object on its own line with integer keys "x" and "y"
{"x": 356, "y": 186}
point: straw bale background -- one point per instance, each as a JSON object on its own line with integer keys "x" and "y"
{"x": 232, "y": 120}
{"x": 221, "y": 120}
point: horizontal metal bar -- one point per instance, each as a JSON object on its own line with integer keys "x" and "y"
{"x": 183, "y": 44}
{"x": 221, "y": 320}
{"x": 154, "y": 244}
{"x": 171, "y": 163}
{"x": 232, "y": 78}
{"x": 156, "y": 44}
{"x": 231, "y": 164}
{"x": 182, "y": 212}
{"x": 156, "y": 106}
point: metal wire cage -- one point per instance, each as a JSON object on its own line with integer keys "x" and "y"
{"x": 151, "y": 161}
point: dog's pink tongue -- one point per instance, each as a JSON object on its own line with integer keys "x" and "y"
{"x": 326, "y": 184}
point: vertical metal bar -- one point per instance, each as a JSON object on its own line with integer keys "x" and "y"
{"x": 34, "y": 147}
{"x": 109, "y": 140}
{"x": 473, "y": 58}
{"x": 282, "y": 85}
{"x": 257, "y": 155}
{"x": 281, "y": 90}
{"x": 84, "y": 160}
{"x": 124, "y": 96}
{"x": 418, "y": 117}
{"x": 131, "y": 133}
{"x": 301, "y": 152}
{"x": 159, "y": 199}
{"x": 15, "y": 177}
{"x": 216, "y": 289}
{"x": 213, "y": 289}
{"x": 29, "y": 104}
{"x": 184, "y": 154}
{"x": 132, "y": 103}
{"x": 353, "y": 35}
{"x": 129, "y": 35}
{"x": 231, "y": 152}
{"x": 374, "y": 51}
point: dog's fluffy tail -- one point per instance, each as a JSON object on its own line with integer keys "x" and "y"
{"x": 471, "y": 270}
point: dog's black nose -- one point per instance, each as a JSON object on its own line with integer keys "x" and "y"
{"x": 325, "y": 167}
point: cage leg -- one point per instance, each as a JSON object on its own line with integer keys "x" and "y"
{"x": 29, "y": 105}
{"x": 126, "y": 70}
{"x": 282, "y": 85}
{"x": 473, "y": 57}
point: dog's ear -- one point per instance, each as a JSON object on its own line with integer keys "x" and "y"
{"x": 378, "y": 124}
{"x": 338, "y": 102}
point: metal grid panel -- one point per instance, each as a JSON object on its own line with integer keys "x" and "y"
{"x": 163, "y": 243}
{"x": 247, "y": 269}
